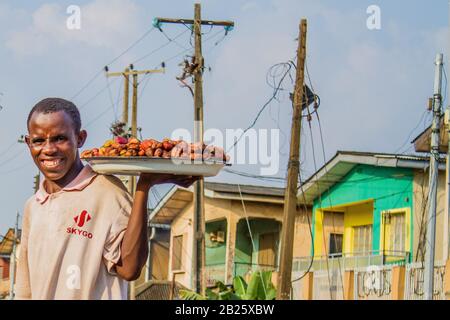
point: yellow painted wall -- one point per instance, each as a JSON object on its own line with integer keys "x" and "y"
{"x": 385, "y": 229}
{"x": 326, "y": 224}
{"x": 356, "y": 215}
{"x": 353, "y": 215}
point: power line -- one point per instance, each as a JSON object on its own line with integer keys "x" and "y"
{"x": 96, "y": 95}
{"x": 111, "y": 98}
{"x": 159, "y": 48}
{"x": 273, "y": 97}
{"x": 111, "y": 62}
{"x": 13, "y": 157}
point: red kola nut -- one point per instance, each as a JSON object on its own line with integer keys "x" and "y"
{"x": 149, "y": 152}
{"x": 158, "y": 152}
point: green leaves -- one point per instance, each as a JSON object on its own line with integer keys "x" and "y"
{"x": 239, "y": 286}
{"x": 191, "y": 295}
{"x": 260, "y": 287}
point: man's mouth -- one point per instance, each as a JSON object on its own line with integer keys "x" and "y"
{"x": 51, "y": 164}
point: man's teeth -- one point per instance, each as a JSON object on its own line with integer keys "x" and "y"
{"x": 52, "y": 163}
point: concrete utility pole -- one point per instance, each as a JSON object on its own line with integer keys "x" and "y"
{"x": 12, "y": 266}
{"x": 198, "y": 263}
{"x": 290, "y": 196}
{"x": 432, "y": 195}
{"x": 131, "y": 185}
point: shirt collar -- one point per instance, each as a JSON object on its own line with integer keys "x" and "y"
{"x": 81, "y": 181}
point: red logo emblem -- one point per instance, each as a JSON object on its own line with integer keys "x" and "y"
{"x": 82, "y": 218}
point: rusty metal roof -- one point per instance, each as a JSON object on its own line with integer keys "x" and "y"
{"x": 6, "y": 243}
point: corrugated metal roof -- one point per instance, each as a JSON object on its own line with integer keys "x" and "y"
{"x": 6, "y": 244}
{"x": 245, "y": 189}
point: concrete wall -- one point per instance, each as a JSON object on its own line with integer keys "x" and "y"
{"x": 421, "y": 211}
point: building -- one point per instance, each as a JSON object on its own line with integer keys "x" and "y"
{"x": 374, "y": 205}
{"x": 243, "y": 225}
{"x": 6, "y": 248}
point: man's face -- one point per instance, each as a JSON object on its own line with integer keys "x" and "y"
{"x": 54, "y": 143}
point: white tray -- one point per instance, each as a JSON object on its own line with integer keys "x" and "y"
{"x": 135, "y": 165}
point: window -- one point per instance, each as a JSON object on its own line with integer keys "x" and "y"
{"x": 396, "y": 235}
{"x": 362, "y": 240}
{"x": 177, "y": 253}
{"x": 336, "y": 244}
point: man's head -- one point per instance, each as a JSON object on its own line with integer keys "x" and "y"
{"x": 54, "y": 138}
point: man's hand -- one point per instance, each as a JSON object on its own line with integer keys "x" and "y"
{"x": 148, "y": 180}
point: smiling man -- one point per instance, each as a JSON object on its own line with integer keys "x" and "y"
{"x": 83, "y": 236}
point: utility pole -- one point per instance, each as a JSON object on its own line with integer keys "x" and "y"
{"x": 433, "y": 180}
{"x": 290, "y": 196}
{"x": 131, "y": 185}
{"x": 37, "y": 181}
{"x": 126, "y": 74}
{"x": 447, "y": 211}
{"x": 126, "y": 96}
{"x": 198, "y": 262}
{"x": 12, "y": 272}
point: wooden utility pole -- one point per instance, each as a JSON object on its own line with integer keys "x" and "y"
{"x": 198, "y": 262}
{"x": 290, "y": 196}
{"x": 126, "y": 74}
{"x": 126, "y": 96}
{"x": 135, "y": 73}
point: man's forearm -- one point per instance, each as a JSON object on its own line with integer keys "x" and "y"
{"x": 135, "y": 242}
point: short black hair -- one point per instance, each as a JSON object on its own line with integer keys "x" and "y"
{"x": 50, "y": 105}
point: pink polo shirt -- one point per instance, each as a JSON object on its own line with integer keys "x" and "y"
{"x": 71, "y": 240}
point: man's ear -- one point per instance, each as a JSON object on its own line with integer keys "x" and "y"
{"x": 81, "y": 138}
{"x": 27, "y": 140}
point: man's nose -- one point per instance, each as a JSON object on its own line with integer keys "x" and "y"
{"x": 49, "y": 146}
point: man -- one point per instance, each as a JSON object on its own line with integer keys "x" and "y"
{"x": 83, "y": 236}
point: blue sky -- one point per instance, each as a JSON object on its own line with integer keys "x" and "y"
{"x": 373, "y": 84}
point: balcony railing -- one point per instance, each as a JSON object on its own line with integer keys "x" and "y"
{"x": 243, "y": 269}
{"x": 350, "y": 261}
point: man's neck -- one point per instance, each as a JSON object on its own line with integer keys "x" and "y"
{"x": 55, "y": 186}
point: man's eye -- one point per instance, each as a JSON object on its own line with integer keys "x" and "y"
{"x": 37, "y": 141}
{"x": 60, "y": 138}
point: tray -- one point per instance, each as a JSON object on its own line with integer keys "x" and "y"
{"x": 135, "y": 165}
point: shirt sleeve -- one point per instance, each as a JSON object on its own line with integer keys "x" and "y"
{"x": 22, "y": 287}
{"x": 112, "y": 248}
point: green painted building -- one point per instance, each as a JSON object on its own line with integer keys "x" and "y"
{"x": 369, "y": 209}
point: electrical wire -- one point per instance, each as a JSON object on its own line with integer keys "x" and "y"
{"x": 250, "y": 233}
{"x": 6, "y": 161}
{"x": 273, "y": 97}
{"x": 159, "y": 48}
{"x": 174, "y": 41}
{"x": 111, "y": 62}
{"x": 111, "y": 98}
{"x": 96, "y": 95}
